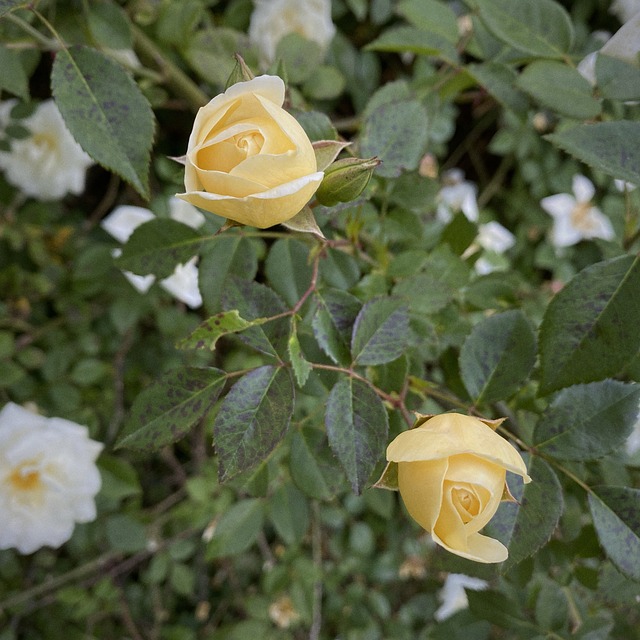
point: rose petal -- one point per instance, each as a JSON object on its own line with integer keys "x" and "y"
{"x": 417, "y": 480}
{"x": 452, "y": 434}
{"x": 259, "y": 210}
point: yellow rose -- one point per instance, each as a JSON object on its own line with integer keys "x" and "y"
{"x": 452, "y": 476}
{"x": 249, "y": 160}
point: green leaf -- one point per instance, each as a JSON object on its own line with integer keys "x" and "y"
{"x": 207, "y": 333}
{"x": 325, "y": 83}
{"x": 109, "y": 25}
{"x": 237, "y": 529}
{"x": 253, "y": 300}
{"x": 442, "y": 276}
{"x": 125, "y": 533}
{"x": 13, "y": 77}
{"x": 210, "y": 53}
{"x": 617, "y": 79}
{"x": 590, "y": 328}
{"x": 498, "y": 609}
{"x": 610, "y": 147}
{"x": 357, "y": 426}
{"x": 157, "y": 246}
{"x": 317, "y": 125}
{"x": 222, "y": 256}
{"x": 559, "y": 87}
{"x": 339, "y": 269}
{"x": 616, "y": 517}
{"x": 552, "y": 609}
{"x": 289, "y": 513}
{"x": 300, "y": 56}
{"x": 9, "y": 5}
{"x": 497, "y": 356}
{"x": 397, "y": 133}
{"x": 288, "y": 270}
{"x": 405, "y": 39}
{"x": 105, "y": 112}
{"x": 253, "y": 419}
{"x": 431, "y": 16}
{"x": 541, "y": 28}
{"x": 527, "y": 525}
{"x": 312, "y": 466}
{"x": 380, "y": 332}
{"x": 167, "y": 410}
{"x": 333, "y": 323}
{"x": 588, "y": 421}
{"x": 304, "y": 222}
{"x": 301, "y": 368}
{"x": 500, "y": 81}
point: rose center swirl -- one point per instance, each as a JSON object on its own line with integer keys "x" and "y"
{"x": 250, "y": 144}
{"x": 25, "y": 478}
{"x": 466, "y": 503}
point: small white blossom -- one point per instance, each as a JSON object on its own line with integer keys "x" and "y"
{"x": 124, "y": 220}
{"x": 492, "y": 236}
{"x": 575, "y": 218}
{"x": 495, "y": 240}
{"x": 633, "y": 441}
{"x": 622, "y": 185}
{"x": 457, "y": 194}
{"x": 453, "y": 596}
{"x": 271, "y": 20}
{"x": 48, "y": 479}
{"x": 186, "y": 213}
{"x": 183, "y": 282}
{"x": 624, "y": 10}
{"x": 47, "y": 164}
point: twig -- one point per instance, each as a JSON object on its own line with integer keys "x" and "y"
{"x": 316, "y": 548}
{"x": 176, "y": 79}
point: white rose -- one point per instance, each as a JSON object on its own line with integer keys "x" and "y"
{"x": 48, "y": 479}
{"x": 183, "y": 282}
{"x": 271, "y": 20}
{"x": 49, "y": 163}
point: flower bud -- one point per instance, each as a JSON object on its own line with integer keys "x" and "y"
{"x": 345, "y": 180}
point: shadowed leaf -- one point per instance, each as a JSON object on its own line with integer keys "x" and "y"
{"x": 105, "y": 112}
{"x": 166, "y": 411}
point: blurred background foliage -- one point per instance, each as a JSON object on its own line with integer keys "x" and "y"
{"x": 285, "y": 549}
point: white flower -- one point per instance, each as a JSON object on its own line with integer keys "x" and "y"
{"x": 633, "y": 441}
{"x": 575, "y": 218}
{"x": 622, "y": 185}
{"x": 48, "y": 479}
{"x": 492, "y": 236}
{"x": 457, "y": 194}
{"x": 495, "y": 240}
{"x": 183, "y": 282}
{"x": 453, "y": 596}
{"x": 271, "y": 20}
{"x": 124, "y": 220}
{"x": 625, "y": 9}
{"x": 186, "y": 213}
{"x": 49, "y": 163}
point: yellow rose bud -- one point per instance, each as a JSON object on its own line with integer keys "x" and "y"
{"x": 248, "y": 159}
{"x": 452, "y": 476}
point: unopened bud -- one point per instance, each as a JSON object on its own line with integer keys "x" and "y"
{"x": 345, "y": 180}
{"x": 239, "y": 73}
